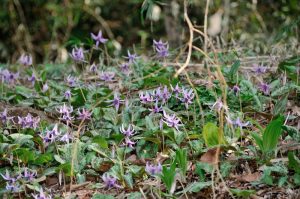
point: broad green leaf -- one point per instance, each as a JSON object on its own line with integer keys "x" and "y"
{"x": 211, "y": 135}
{"x": 294, "y": 162}
{"x": 196, "y": 187}
{"x": 168, "y": 176}
{"x": 102, "y": 196}
{"x": 272, "y": 134}
{"x": 101, "y": 141}
{"x": 280, "y": 106}
{"x": 258, "y": 140}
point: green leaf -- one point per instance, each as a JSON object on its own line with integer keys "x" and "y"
{"x": 168, "y": 176}
{"x": 102, "y": 196}
{"x": 135, "y": 195}
{"x": 129, "y": 180}
{"x": 211, "y": 135}
{"x": 101, "y": 141}
{"x": 242, "y": 193}
{"x": 181, "y": 159}
{"x": 280, "y": 106}
{"x": 294, "y": 162}
{"x": 25, "y": 155}
{"x": 195, "y": 187}
{"x": 258, "y": 140}
{"x": 272, "y": 134}
{"x": 234, "y": 68}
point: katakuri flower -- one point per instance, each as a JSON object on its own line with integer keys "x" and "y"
{"x": 153, "y": 169}
{"x": 84, "y": 114}
{"x": 4, "y": 118}
{"x": 77, "y": 54}
{"x": 68, "y": 94}
{"x": 107, "y": 76}
{"x": 29, "y": 175}
{"x": 93, "y": 68}
{"x": 41, "y": 195}
{"x": 25, "y": 60}
{"x": 116, "y": 102}
{"x": 188, "y": 96}
{"x": 32, "y": 79}
{"x": 259, "y": 69}
{"x": 145, "y": 98}
{"x": 127, "y": 132}
{"x": 71, "y": 81}
{"x": 265, "y": 88}
{"x": 109, "y": 181}
{"x": 131, "y": 57}
{"x": 177, "y": 90}
{"x": 98, "y": 38}
{"x": 172, "y": 121}
{"x": 45, "y": 88}
{"x": 236, "y": 89}
{"x": 237, "y": 122}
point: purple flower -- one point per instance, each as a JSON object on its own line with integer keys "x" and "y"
{"x": 259, "y": 69}
{"x": 25, "y": 60}
{"x": 161, "y": 48}
{"x": 165, "y": 95}
{"x": 13, "y": 187}
{"x": 237, "y": 122}
{"x": 236, "y": 89}
{"x": 66, "y": 138}
{"x": 109, "y": 181}
{"x": 125, "y": 68}
{"x": 9, "y": 77}
{"x": 127, "y": 132}
{"x": 116, "y": 101}
{"x": 152, "y": 169}
{"x": 188, "y": 96}
{"x": 218, "y": 105}
{"x": 84, "y": 115}
{"x": 41, "y": 195}
{"x": 107, "y": 76}
{"x": 45, "y": 88}
{"x": 66, "y": 111}
{"x": 265, "y": 88}
{"x": 145, "y": 98}
{"x": 29, "y": 121}
{"x": 71, "y": 81}
{"x": 93, "y": 68}
{"x": 131, "y": 57}
{"x": 68, "y": 94}
{"x": 98, "y": 38}
{"x": 29, "y": 175}
{"x": 172, "y": 121}
{"x": 156, "y": 108}
{"x": 77, "y": 54}
{"x": 32, "y": 79}
{"x": 176, "y": 90}
{"x": 129, "y": 143}
{"x": 7, "y": 177}
{"x": 4, "y": 118}
{"x": 51, "y": 135}
{"x": 159, "y": 44}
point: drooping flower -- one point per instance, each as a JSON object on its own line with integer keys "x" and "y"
{"x": 176, "y": 90}
{"x": 156, "y": 108}
{"x": 188, "y": 96}
{"x": 50, "y": 135}
{"x": 125, "y": 68}
{"x": 259, "y": 69}
{"x": 45, "y": 88}
{"x": 129, "y": 143}
{"x": 7, "y": 177}
{"x": 77, "y": 54}
{"x": 66, "y": 111}
{"x": 41, "y": 195}
{"x": 127, "y": 132}
{"x": 131, "y": 57}
{"x": 218, "y": 105}
{"x": 236, "y": 89}
{"x": 84, "y": 114}
{"x": 8, "y": 76}
{"x": 107, "y": 76}
{"x": 71, "y": 81}
{"x": 4, "y": 118}
{"x": 153, "y": 169}
{"x": 165, "y": 95}
{"x": 68, "y": 94}
{"x": 12, "y": 187}
{"x": 32, "y": 79}
{"x": 66, "y": 138}
{"x": 93, "y": 68}
{"x": 25, "y": 60}
{"x": 116, "y": 102}
{"x": 109, "y": 181}
{"x": 265, "y": 88}
{"x": 145, "y": 98}
{"x": 172, "y": 121}
{"x": 29, "y": 175}
{"x": 98, "y": 38}
{"x": 237, "y": 122}
{"x": 159, "y": 44}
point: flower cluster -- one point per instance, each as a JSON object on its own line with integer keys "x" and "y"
{"x": 128, "y": 133}
{"x": 29, "y": 121}
{"x": 65, "y": 112}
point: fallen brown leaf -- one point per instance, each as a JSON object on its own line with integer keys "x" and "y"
{"x": 211, "y": 156}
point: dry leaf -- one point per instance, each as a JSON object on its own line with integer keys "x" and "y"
{"x": 250, "y": 177}
{"x": 211, "y": 156}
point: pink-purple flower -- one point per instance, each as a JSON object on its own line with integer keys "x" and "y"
{"x": 131, "y": 57}
{"x": 116, "y": 102}
{"x": 188, "y": 96}
{"x": 98, "y": 38}
{"x": 25, "y": 60}
{"x": 153, "y": 169}
{"x": 4, "y": 117}
{"x": 41, "y": 195}
{"x": 145, "y": 98}
{"x": 265, "y": 88}
{"x": 107, "y": 76}
{"x": 109, "y": 181}
{"x": 77, "y": 54}
{"x": 127, "y": 132}
{"x": 172, "y": 121}
{"x": 237, "y": 122}
{"x": 84, "y": 114}
{"x": 29, "y": 121}
{"x": 162, "y": 48}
